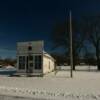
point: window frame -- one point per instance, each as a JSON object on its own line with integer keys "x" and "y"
{"x": 38, "y": 62}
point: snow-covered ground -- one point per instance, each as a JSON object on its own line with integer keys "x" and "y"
{"x": 79, "y": 68}
{"x": 85, "y": 85}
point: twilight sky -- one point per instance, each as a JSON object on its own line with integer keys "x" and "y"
{"x": 23, "y": 20}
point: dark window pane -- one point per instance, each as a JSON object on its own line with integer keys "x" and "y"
{"x": 38, "y": 62}
{"x": 21, "y": 62}
{"x": 39, "y": 58}
{"x": 20, "y": 58}
{"x": 30, "y": 48}
{"x": 30, "y": 57}
{"x": 21, "y": 66}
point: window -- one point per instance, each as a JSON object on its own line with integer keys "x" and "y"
{"x": 38, "y": 62}
{"x": 30, "y": 48}
{"x": 30, "y": 57}
{"x": 21, "y": 62}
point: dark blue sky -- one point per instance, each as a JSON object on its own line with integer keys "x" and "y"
{"x": 23, "y": 20}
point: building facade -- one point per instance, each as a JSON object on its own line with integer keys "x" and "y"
{"x": 32, "y": 59}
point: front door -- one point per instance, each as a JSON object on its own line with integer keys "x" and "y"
{"x": 29, "y": 64}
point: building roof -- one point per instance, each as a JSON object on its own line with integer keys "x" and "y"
{"x": 48, "y": 55}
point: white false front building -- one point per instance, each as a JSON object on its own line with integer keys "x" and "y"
{"x": 32, "y": 59}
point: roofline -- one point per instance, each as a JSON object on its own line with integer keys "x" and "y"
{"x": 30, "y": 41}
{"x": 48, "y": 55}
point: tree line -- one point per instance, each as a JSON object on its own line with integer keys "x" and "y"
{"x": 7, "y": 61}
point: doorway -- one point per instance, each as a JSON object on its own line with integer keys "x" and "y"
{"x": 29, "y": 64}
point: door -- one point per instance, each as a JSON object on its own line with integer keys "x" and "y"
{"x": 37, "y": 63}
{"x": 29, "y": 64}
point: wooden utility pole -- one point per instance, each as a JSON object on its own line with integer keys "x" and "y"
{"x": 71, "y": 45}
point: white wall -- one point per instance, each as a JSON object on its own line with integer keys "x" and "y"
{"x": 48, "y": 65}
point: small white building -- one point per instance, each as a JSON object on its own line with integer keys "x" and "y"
{"x": 32, "y": 59}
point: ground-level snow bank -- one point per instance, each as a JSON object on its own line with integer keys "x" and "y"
{"x": 84, "y": 86}
{"x": 26, "y": 94}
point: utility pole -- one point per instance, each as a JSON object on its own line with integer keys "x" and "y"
{"x": 71, "y": 45}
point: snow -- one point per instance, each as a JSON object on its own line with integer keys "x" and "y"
{"x": 85, "y": 85}
{"x": 9, "y": 67}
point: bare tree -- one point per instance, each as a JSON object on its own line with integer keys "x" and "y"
{"x": 91, "y": 27}
{"x": 60, "y": 38}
